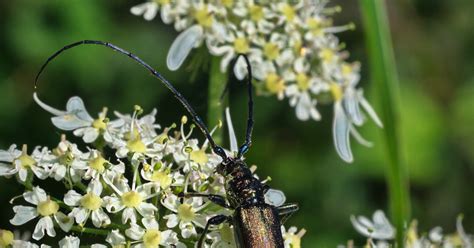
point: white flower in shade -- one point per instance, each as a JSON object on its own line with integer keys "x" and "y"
{"x": 379, "y": 228}
{"x": 159, "y": 173}
{"x": 116, "y": 239}
{"x": 222, "y": 237}
{"x": 151, "y": 236}
{"x": 292, "y": 238}
{"x": 185, "y": 214}
{"x": 70, "y": 242}
{"x": 76, "y": 118}
{"x": 147, "y": 9}
{"x": 19, "y": 162}
{"x": 467, "y": 239}
{"x": 89, "y": 205}
{"x": 46, "y": 209}
{"x": 130, "y": 200}
{"x": 67, "y": 159}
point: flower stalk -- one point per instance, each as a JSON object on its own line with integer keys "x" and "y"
{"x": 384, "y": 77}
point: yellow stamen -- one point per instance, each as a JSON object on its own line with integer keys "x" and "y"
{"x": 47, "y": 208}
{"x": 199, "y": 156}
{"x": 303, "y": 81}
{"x": 131, "y": 199}
{"x": 288, "y": 12}
{"x": 6, "y": 238}
{"x": 336, "y": 91}
{"x": 186, "y": 212}
{"x": 274, "y": 83}
{"x": 203, "y": 17}
{"x": 327, "y": 55}
{"x": 241, "y": 45}
{"x": 26, "y": 160}
{"x": 91, "y": 202}
{"x": 152, "y": 238}
{"x": 161, "y": 177}
{"x": 256, "y": 13}
{"x": 98, "y": 163}
{"x": 271, "y": 50}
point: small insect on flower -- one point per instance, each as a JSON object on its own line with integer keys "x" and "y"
{"x": 255, "y": 222}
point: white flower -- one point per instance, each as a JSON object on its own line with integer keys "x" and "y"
{"x": 379, "y": 228}
{"x": 89, "y": 205}
{"x": 151, "y": 236}
{"x": 130, "y": 200}
{"x": 185, "y": 214}
{"x": 148, "y": 10}
{"x": 77, "y": 119}
{"x": 70, "y": 242}
{"x": 67, "y": 158}
{"x": 116, "y": 239}
{"x": 46, "y": 208}
{"x": 22, "y": 163}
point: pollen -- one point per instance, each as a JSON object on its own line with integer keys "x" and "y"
{"x": 91, "y": 201}
{"x": 131, "y": 199}
{"x": 288, "y": 12}
{"x": 346, "y": 69}
{"x": 241, "y": 45}
{"x": 274, "y": 83}
{"x": 186, "y": 212}
{"x": 98, "y": 163}
{"x": 336, "y": 91}
{"x": 303, "y": 81}
{"x": 199, "y": 156}
{"x": 271, "y": 50}
{"x": 327, "y": 55}
{"x": 161, "y": 177}
{"x": 6, "y": 238}
{"x": 152, "y": 238}
{"x": 256, "y": 13}
{"x": 136, "y": 145}
{"x": 99, "y": 124}
{"x": 26, "y": 160}
{"x": 203, "y": 17}
{"x": 47, "y": 208}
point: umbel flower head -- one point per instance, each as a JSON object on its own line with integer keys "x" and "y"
{"x": 121, "y": 186}
{"x": 292, "y": 48}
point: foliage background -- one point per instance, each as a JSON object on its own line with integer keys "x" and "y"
{"x": 434, "y": 48}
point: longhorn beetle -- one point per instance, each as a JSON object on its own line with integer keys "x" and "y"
{"x": 256, "y": 223}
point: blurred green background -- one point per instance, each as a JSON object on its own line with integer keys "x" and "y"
{"x": 434, "y": 48}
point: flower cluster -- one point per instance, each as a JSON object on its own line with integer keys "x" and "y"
{"x": 379, "y": 232}
{"x": 122, "y": 185}
{"x": 292, "y": 48}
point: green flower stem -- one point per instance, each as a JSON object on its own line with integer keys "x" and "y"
{"x": 385, "y": 81}
{"x": 79, "y": 229}
{"x": 215, "y": 109}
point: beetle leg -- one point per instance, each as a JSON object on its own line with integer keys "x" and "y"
{"x": 217, "y": 199}
{"x": 215, "y": 220}
{"x": 285, "y": 211}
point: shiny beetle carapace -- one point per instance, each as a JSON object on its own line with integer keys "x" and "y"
{"x": 257, "y": 224}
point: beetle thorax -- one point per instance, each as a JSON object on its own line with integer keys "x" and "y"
{"x": 241, "y": 186}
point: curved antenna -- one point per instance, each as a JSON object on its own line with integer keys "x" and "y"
{"x": 217, "y": 149}
{"x": 248, "y": 137}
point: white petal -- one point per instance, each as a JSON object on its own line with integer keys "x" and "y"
{"x": 65, "y": 222}
{"x": 68, "y": 122}
{"x": 100, "y": 218}
{"x": 70, "y": 242}
{"x": 44, "y": 224}
{"x": 47, "y": 107}
{"x": 150, "y": 223}
{"x": 362, "y": 229}
{"x": 146, "y": 209}
{"x": 135, "y": 232}
{"x": 23, "y": 214}
{"x": 115, "y": 238}
{"x": 128, "y": 214}
{"x": 75, "y": 106}
{"x": 351, "y": 106}
{"x": 182, "y": 45}
{"x": 230, "y": 127}
{"x": 90, "y": 135}
{"x": 172, "y": 220}
{"x": 368, "y": 108}
{"x": 341, "y": 133}
{"x": 95, "y": 186}
{"x": 302, "y": 107}
{"x": 72, "y": 198}
{"x": 240, "y": 68}
{"x": 359, "y": 137}
{"x": 7, "y": 170}
{"x": 275, "y": 197}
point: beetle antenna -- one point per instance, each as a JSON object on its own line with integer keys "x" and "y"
{"x": 248, "y": 136}
{"x": 198, "y": 120}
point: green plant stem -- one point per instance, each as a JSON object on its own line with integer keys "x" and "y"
{"x": 79, "y": 229}
{"x": 385, "y": 81}
{"x": 215, "y": 109}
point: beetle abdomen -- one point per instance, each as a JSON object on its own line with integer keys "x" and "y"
{"x": 257, "y": 226}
